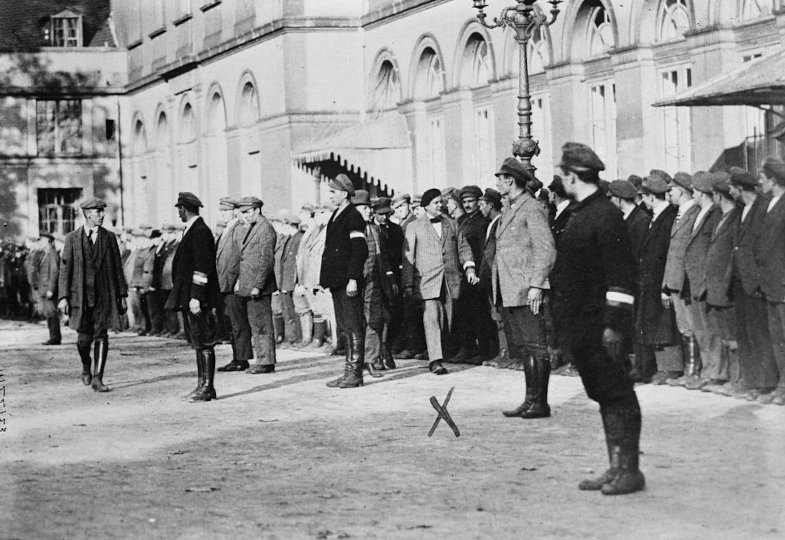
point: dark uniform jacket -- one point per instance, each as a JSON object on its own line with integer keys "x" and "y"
{"x": 656, "y": 322}
{"x": 288, "y": 269}
{"x": 392, "y": 244}
{"x": 770, "y": 253}
{"x": 719, "y": 260}
{"x": 695, "y": 256}
{"x": 558, "y": 224}
{"x": 474, "y": 227}
{"x": 110, "y": 286}
{"x": 345, "y": 249}
{"x": 193, "y": 269}
{"x": 488, "y": 254}
{"x": 745, "y": 268}
{"x": 594, "y": 259}
{"x": 257, "y": 259}
{"x": 228, "y": 256}
{"x": 637, "y": 226}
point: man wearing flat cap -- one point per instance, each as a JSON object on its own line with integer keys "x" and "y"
{"x": 343, "y": 262}
{"x": 680, "y": 196}
{"x": 256, "y": 283}
{"x": 657, "y": 342}
{"x": 713, "y": 367}
{"x": 525, "y": 254}
{"x": 472, "y": 318}
{"x": 92, "y": 290}
{"x": 391, "y": 236}
{"x": 48, "y": 273}
{"x": 491, "y": 207}
{"x": 227, "y": 262}
{"x": 756, "y": 356}
{"x": 195, "y": 292}
{"x": 770, "y": 256}
{"x": 436, "y": 255}
{"x": 596, "y": 272}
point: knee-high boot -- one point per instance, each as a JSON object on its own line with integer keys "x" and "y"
{"x": 87, "y": 363}
{"x": 319, "y": 331}
{"x": 623, "y": 429}
{"x": 353, "y": 375}
{"x": 207, "y": 391}
{"x": 347, "y": 360}
{"x": 100, "y": 355}
{"x": 200, "y": 377}
{"x": 541, "y": 369}
{"x": 529, "y": 382}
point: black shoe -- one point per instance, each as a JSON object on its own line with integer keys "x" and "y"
{"x": 437, "y": 368}
{"x": 203, "y": 394}
{"x": 87, "y": 378}
{"x": 50, "y": 342}
{"x": 234, "y": 365}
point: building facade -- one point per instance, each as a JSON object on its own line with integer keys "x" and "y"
{"x": 272, "y": 97}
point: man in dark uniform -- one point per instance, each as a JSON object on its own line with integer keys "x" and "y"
{"x": 195, "y": 292}
{"x": 491, "y": 207}
{"x": 595, "y": 269}
{"x": 623, "y": 195}
{"x": 343, "y": 260}
{"x": 48, "y": 273}
{"x": 92, "y": 290}
{"x": 391, "y": 236}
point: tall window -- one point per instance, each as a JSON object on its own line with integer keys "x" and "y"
{"x": 59, "y": 126}
{"x": 538, "y": 55}
{"x": 249, "y": 104}
{"x": 676, "y": 120}
{"x": 188, "y": 128}
{"x": 481, "y": 71}
{"x": 484, "y": 156}
{"x": 429, "y": 82}
{"x": 603, "y": 124}
{"x": 66, "y": 30}
{"x": 437, "y": 166}
{"x": 600, "y": 31}
{"x": 674, "y": 19}
{"x": 57, "y": 210}
{"x": 387, "y": 91}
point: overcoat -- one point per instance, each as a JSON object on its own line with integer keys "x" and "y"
{"x": 745, "y": 268}
{"x": 655, "y": 322}
{"x": 109, "y": 280}
{"x": 770, "y": 253}
{"x": 193, "y": 270}
{"x": 488, "y": 254}
{"x": 257, "y": 259}
{"x": 695, "y": 256}
{"x": 227, "y": 256}
{"x": 525, "y": 252}
{"x": 637, "y": 226}
{"x": 430, "y": 261}
{"x": 719, "y": 260}
{"x": 48, "y": 272}
{"x": 345, "y": 249}
{"x": 673, "y": 278}
{"x": 288, "y": 270}
{"x": 474, "y": 227}
{"x": 559, "y": 223}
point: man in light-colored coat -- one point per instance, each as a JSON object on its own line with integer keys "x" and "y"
{"x": 525, "y": 254}
{"x": 436, "y": 254}
{"x": 256, "y": 283}
{"x": 48, "y": 273}
{"x": 228, "y": 266}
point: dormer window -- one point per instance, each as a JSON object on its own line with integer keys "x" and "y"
{"x": 66, "y": 29}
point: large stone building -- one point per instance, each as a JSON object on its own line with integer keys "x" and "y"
{"x": 270, "y": 97}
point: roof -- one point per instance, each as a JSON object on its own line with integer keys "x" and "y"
{"x": 22, "y": 21}
{"x": 760, "y": 82}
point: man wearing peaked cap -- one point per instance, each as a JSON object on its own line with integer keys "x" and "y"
{"x": 514, "y": 168}
{"x": 713, "y": 369}
{"x": 623, "y": 194}
{"x": 195, "y": 292}
{"x": 227, "y": 263}
{"x": 92, "y": 290}
{"x": 775, "y": 170}
{"x": 472, "y": 316}
{"x": 660, "y": 174}
{"x": 391, "y": 240}
{"x": 597, "y": 277}
{"x": 683, "y": 179}
{"x": 343, "y": 261}
{"x": 48, "y": 268}
{"x": 382, "y": 205}
{"x": 655, "y": 185}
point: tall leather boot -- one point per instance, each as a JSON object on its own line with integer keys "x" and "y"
{"x": 100, "y": 354}
{"x": 200, "y": 377}
{"x": 87, "y": 363}
{"x": 306, "y": 327}
{"x": 625, "y": 426}
{"x": 541, "y": 367}
{"x": 388, "y": 360}
{"x": 595, "y": 484}
{"x": 347, "y": 360}
{"x": 529, "y": 382}
{"x": 353, "y": 376}
{"x": 319, "y": 331}
{"x": 207, "y": 391}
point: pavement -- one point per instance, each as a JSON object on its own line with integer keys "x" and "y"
{"x": 282, "y": 456}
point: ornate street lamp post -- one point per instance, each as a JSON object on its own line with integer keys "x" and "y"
{"x": 525, "y": 18}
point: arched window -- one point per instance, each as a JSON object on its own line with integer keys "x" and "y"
{"x": 139, "y": 145}
{"x": 430, "y": 81}
{"x": 162, "y": 130}
{"x": 674, "y": 19}
{"x": 387, "y": 90}
{"x": 752, "y": 9}
{"x": 216, "y": 118}
{"x": 481, "y": 72}
{"x": 600, "y": 37}
{"x": 249, "y": 104}
{"x": 188, "y": 126}
{"x": 538, "y": 53}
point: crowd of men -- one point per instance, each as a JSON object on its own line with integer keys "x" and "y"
{"x": 664, "y": 279}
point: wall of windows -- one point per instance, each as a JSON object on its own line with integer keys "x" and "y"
{"x": 59, "y": 126}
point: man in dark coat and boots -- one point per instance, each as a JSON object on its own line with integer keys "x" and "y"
{"x": 596, "y": 271}
{"x": 48, "y": 273}
{"x": 343, "y": 262}
{"x": 196, "y": 293}
{"x": 92, "y": 290}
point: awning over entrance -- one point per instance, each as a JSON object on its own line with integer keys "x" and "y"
{"x": 375, "y": 154}
{"x": 757, "y": 83}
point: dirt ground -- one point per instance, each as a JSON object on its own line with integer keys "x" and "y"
{"x": 283, "y": 456}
